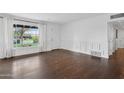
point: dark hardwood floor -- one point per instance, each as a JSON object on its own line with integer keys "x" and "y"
{"x": 63, "y": 64}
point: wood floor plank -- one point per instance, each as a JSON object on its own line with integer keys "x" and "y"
{"x": 63, "y": 64}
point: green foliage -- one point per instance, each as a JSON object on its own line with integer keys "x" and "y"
{"x": 25, "y": 39}
{"x": 35, "y": 39}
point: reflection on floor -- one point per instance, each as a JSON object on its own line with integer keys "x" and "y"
{"x": 63, "y": 64}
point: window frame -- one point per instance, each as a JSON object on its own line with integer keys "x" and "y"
{"x": 23, "y": 23}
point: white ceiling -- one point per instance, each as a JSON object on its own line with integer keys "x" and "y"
{"x": 56, "y": 17}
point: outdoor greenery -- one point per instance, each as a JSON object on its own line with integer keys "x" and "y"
{"x": 25, "y": 37}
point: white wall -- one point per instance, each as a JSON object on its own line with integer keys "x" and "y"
{"x": 111, "y": 39}
{"x": 53, "y": 36}
{"x": 120, "y": 40}
{"x": 86, "y": 35}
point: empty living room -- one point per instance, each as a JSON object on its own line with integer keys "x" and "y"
{"x": 61, "y": 45}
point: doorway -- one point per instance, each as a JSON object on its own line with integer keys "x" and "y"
{"x": 115, "y": 36}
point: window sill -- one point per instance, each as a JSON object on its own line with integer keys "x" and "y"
{"x": 20, "y": 48}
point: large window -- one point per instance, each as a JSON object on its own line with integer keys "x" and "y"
{"x": 26, "y": 36}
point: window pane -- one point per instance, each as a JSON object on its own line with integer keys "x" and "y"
{"x": 26, "y": 36}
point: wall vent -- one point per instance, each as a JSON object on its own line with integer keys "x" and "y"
{"x": 96, "y": 53}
